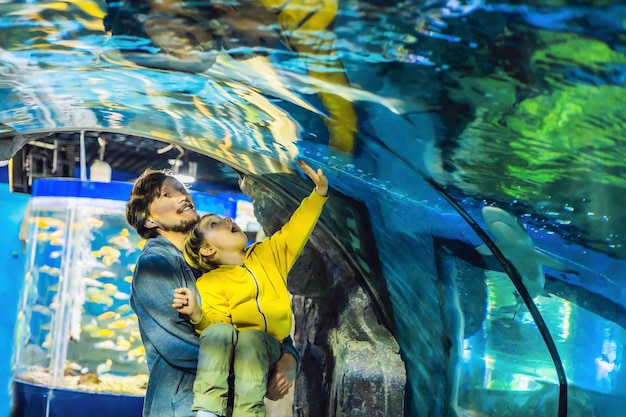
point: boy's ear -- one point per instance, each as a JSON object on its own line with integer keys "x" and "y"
{"x": 207, "y": 251}
{"x": 149, "y": 224}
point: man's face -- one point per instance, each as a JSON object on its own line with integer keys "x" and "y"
{"x": 173, "y": 209}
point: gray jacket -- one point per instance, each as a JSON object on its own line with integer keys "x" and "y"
{"x": 170, "y": 340}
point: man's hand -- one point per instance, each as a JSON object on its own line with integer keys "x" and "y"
{"x": 281, "y": 377}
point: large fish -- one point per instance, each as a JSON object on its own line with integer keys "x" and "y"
{"x": 516, "y": 245}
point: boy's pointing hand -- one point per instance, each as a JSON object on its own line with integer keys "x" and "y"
{"x": 318, "y": 177}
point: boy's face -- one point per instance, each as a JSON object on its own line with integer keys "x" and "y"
{"x": 222, "y": 234}
{"x": 172, "y": 209}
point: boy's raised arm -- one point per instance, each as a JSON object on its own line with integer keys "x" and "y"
{"x": 318, "y": 177}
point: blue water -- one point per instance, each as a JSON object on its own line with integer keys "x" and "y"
{"x": 517, "y": 106}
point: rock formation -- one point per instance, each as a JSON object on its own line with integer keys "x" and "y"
{"x": 351, "y": 365}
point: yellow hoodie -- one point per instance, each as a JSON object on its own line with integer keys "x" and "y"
{"x": 254, "y": 296}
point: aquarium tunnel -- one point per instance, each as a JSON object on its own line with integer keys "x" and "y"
{"x": 470, "y": 259}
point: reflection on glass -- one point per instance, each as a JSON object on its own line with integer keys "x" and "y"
{"x": 505, "y": 365}
{"x": 231, "y": 41}
{"x": 607, "y": 363}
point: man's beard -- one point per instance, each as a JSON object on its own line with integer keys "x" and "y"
{"x": 183, "y": 227}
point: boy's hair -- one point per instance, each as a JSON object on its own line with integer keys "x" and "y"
{"x": 146, "y": 189}
{"x": 191, "y": 249}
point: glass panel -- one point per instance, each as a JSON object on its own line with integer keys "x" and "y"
{"x": 76, "y": 329}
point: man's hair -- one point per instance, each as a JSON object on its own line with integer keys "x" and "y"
{"x": 146, "y": 189}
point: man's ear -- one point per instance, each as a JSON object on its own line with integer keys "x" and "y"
{"x": 149, "y": 224}
{"x": 207, "y": 251}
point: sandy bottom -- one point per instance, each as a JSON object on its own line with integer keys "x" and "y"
{"x": 106, "y": 383}
{"x": 133, "y": 385}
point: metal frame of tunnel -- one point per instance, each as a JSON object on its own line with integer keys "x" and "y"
{"x": 516, "y": 278}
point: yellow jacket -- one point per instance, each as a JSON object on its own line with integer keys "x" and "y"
{"x": 254, "y": 296}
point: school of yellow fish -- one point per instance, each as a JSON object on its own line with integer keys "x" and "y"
{"x": 103, "y": 340}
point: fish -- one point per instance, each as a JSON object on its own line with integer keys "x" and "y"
{"x": 108, "y": 260}
{"x": 123, "y": 309}
{"x": 111, "y": 345}
{"x": 50, "y": 270}
{"x": 73, "y": 366}
{"x": 92, "y": 282}
{"x": 57, "y": 242}
{"x": 47, "y": 223}
{"x": 106, "y": 315}
{"x": 119, "y": 324}
{"x": 98, "y": 296}
{"x": 510, "y": 236}
{"x": 106, "y": 274}
{"x": 107, "y": 251}
{"x": 108, "y": 255}
{"x": 121, "y": 296}
{"x": 121, "y": 240}
{"x": 137, "y": 352}
{"x": 43, "y": 237}
{"x": 104, "y": 367}
{"x": 93, "y": 222}
{"x": 102, "y": 333}
{"x": 37, "y": 308}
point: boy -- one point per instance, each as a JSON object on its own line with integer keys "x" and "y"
{"x": 246, "y": 308}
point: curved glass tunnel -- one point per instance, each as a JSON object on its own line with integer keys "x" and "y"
{"x": 403, "y": 105}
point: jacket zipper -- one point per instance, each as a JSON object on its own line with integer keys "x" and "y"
{"x": 256, "y": 297}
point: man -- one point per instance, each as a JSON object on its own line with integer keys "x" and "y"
{"x": 162, "y": 210}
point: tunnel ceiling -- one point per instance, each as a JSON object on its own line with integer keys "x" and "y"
{"x": 503, "y": 104}
{"x": 131, "y": 155}
{"x": 500, "y": 104}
